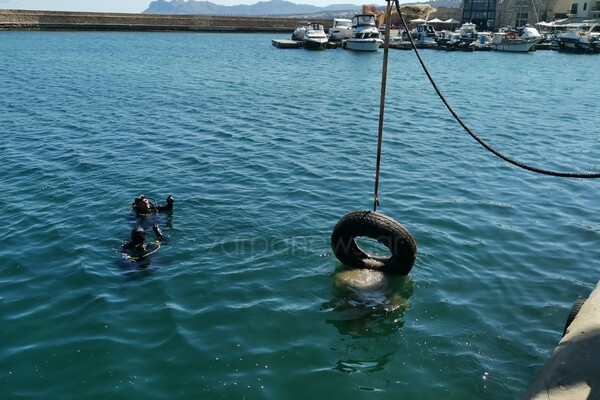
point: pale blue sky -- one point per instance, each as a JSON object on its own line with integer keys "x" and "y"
{"x": 136, "y": 6}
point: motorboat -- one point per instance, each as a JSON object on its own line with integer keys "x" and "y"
{"x": 298, "y": 33}
{"x": 451, "y": 41}
{"x": 314, "y": 37}
{"x": 521, "y": 40}
{"x": 466, "y": 38}
{"x": 424, "y": 34}
{"x": 468, "y": 32}
{"x": 365, "y": 35}
{"x": 341, "y": 29}
{"x": 582, "y": 39}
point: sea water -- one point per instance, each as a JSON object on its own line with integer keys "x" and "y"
{"x": 264, "y": 150}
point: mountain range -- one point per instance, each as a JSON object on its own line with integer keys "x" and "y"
{"x": 262, "y": 8}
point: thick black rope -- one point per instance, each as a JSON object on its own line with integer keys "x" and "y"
{"x": 470, "y": 132}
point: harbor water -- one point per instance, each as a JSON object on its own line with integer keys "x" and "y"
{"x": 264, "y": 150}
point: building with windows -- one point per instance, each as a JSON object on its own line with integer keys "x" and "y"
{"x": 480, "y": 12}
{"x": 584, "y": 9}
{"x": 494, "y": 14}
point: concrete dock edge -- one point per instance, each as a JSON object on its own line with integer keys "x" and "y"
{"x": 573, "y": 370}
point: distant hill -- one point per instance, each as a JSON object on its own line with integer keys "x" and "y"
{"x": 263, "y": 8}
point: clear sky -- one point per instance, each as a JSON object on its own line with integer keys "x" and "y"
{"x": 136, "y": 6}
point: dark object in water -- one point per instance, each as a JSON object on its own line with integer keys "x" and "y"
{"x": 376, "y": 226}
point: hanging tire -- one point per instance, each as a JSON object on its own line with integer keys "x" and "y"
{"x": 574, "y": 311}
{"x": 379, "y": 227}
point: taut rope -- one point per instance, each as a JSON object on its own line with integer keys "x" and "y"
{"x": 468, "y": 130}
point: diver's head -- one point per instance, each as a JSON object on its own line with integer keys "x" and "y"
{"x": 170, "y": 200}
{"x": 138, "y": 235}
{"x": 142, "y": 205}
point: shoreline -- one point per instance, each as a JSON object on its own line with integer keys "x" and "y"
{"x": 11, "y": 20}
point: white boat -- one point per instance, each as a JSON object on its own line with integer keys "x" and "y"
{"x": 582, "y": 39}
{"x": 522, "y": 40}
{"x": 452, "y": 41}
{"x": 466, "y": 38}
{"x": 341, "y": 29}
{"x": 298, "y": 33}
{"x": 425, "y": 35}
{"x": 468, "y": 32}
{"x": 314, "y": 37}
{"x": 365, "y": 35}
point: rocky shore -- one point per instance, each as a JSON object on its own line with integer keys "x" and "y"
{"x": 64, "y": 20}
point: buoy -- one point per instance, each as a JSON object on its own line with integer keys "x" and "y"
{"x": 377, "y": 226}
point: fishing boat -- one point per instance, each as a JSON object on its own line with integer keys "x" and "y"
{"x": 584, "y": 38}
{"x": 341, "y": 29}
{"x": 365, "y": 35}
{"x": 314, "y": 37}
{"x": 522, "y": 40}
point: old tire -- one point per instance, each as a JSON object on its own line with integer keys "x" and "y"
{"x": 574, "y": 311}
{"x": 379, "y": 227}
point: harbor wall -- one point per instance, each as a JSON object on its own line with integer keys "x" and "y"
{"x": 65, "y": 20}
{"x": 573, "y": 370}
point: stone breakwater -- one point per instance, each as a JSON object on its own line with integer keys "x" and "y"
{"x": 65, "y": 20}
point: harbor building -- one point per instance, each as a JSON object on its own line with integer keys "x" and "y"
{"x": 494, "y": 14}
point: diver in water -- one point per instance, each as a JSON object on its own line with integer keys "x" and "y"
{"x": 137, "y": 247}
{"x": 142, "y": 206}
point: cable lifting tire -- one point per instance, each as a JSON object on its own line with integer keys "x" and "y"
{"x": 574, "y": 311}
{"x": 376, "y": 226}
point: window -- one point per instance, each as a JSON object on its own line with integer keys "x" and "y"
{"x": 522, "y": 19}
{"x": 584, "y": 6}
{"x": 480, "y": 12}
{"x": 574, "y": 8}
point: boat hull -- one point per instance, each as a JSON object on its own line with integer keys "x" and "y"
{"x": 523, "y": 47}
{"x": 363, "y": 44}
{"x": 575, "y": 46}
{"x": 315, "y": 44}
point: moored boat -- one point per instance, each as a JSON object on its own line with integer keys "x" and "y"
{"x": 365, "y": 35}
{"x": 521, "y": 41}
{"x": 314, "y": 37}
{"x": 424, "y": 34}
{"x": 582, "y": 39}
{"x": 341, "y": 29}
{"x": 299, "y": 32}
{"x": 462, "y": 40}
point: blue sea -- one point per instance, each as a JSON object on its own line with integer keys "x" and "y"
{"x": 264, "y": 150}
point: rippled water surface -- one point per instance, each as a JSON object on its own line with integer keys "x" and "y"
{"x": 264, "y": 150}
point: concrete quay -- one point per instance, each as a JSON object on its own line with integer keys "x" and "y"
{"x": 573, "y": 370}
{"x": 65, "y": 20}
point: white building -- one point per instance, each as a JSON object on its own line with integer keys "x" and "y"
{"x": 579, "y": 8}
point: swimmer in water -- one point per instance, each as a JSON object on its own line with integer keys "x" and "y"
{"x": 142, "y": 206}
{"x": 138, "y": 247}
